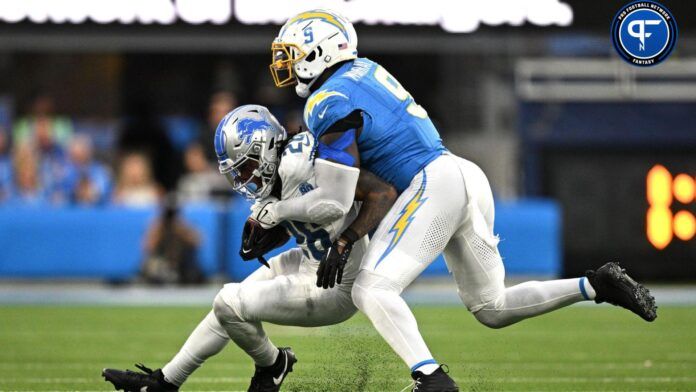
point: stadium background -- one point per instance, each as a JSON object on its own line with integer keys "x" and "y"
{"x": 566, "y": 131}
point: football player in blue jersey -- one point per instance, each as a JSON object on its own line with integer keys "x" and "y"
{"x": 364, "y": 118}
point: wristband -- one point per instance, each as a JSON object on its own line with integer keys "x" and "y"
{"x": 349, "y": 235}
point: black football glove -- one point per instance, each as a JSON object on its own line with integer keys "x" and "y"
{"x": 330, "y": 270}
{"x": 257, "y": 241}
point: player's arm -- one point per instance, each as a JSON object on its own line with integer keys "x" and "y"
{"x": 336, "y": 170}
{"x": 378, "y": 197}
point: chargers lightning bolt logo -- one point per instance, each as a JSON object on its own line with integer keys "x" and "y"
{"x": 317, "y": 98}
{"x": 318, "y": 14}
{"x": 406, "y": 217}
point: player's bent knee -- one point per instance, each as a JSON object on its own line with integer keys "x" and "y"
{"x": 490, "y": 319}
{"x": 368, "y": 285}
{"x": 492, "y": 315}
{"x": 227, "y": 304}
{"x": 359, "y": 295}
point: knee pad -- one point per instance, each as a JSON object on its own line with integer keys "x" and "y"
{"x": 367, "y": 282}
{"x": 227, "y": 305}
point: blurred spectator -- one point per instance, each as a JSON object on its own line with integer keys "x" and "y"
{"x": 50, "y": 155}
{"x": 143, "y": 132}
{"x": 170, "y": 250}
{"x": 135, "y": 186}
{"x": 87, "y": 182}
{"x": 5, "y": 167}
{"x": 42, "y": 122}
{"x": 200, "y": 178}
{"x": 27, "y": 187}
{"x": 221, "y": 103}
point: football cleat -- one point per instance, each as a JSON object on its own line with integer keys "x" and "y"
{"x": 613, "y": 285}
{"x": 437, "y": 381}
{"x": 130, "y": 381}
{"x": 270, "y": 378}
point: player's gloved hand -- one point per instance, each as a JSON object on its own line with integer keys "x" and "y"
{"x": 264, "y": 212}
{"x": 330, "y": 270}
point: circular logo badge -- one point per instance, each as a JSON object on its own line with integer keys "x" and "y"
{"x": 644, "y": 33}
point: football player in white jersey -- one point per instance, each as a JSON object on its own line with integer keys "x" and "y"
{"x": 259, "y": 162}
{"x": 362, "y": 117}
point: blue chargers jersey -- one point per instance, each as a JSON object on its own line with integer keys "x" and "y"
{"x": 398, "y": 139}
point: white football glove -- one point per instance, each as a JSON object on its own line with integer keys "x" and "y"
{"x": 264, "y": 212}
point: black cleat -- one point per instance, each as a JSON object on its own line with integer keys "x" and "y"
{"x": 438, "y": 381}
{"x": 269, "y": 378}
{"x": 130, "y": 381}
{"x": 613, "y": 285}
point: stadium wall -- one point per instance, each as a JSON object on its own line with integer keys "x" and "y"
{"x": 107, "y": 243}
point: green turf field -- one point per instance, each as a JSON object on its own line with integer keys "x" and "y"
{"x": 579, "y": 349}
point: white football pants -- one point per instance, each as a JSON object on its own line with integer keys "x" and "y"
{"x": 285, "y": 294}
{"x": 448, "y": 208}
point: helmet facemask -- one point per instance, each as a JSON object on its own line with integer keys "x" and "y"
{"x": 284, "y": 56}
{"x": 289, "y": 62}
{"x": 241, "y": 174}
{"x": 248, "y": 143}
{"x": 307, "y": 45}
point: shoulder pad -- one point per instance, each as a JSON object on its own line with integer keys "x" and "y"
{"x": 324, "y": 108}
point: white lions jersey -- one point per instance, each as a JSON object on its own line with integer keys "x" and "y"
{"x": 296, "y": 173}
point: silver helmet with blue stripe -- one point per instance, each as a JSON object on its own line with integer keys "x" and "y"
{"x": 247, "y": 144}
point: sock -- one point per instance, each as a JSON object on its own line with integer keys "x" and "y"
{"x": 530, "y": 299}
{"x": 427, "y": 368}
{"x": 588, "y": 292}
{"x": 208, "y": 339}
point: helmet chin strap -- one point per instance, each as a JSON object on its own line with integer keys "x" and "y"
{"x": 302, "y": 89}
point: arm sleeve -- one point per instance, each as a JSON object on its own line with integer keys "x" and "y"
{"x": 330, "y": 200}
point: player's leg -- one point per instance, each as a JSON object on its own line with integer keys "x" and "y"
{"x": 412, "y": 234}
{"x": 472, "y": 256}
{"x": 209, "y": 337}
{"x": 206, "y": 340}
{"x": 291, "y": 299}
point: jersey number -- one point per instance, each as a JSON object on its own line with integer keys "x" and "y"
{"x": 310, "y": 233}
{"x": 394, "y": 87}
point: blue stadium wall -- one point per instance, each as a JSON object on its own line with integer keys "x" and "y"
{"x": 107, "y": 243}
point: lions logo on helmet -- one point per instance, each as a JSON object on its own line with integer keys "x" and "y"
{"x": 247, "y": 142}
{"x": 307, "y": 45}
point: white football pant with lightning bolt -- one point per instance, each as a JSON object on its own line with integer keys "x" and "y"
{"x": 448, "y": 208}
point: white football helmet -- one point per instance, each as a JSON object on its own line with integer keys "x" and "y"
{"x": 248, "y": 142}
{"x": 308, "y": 44}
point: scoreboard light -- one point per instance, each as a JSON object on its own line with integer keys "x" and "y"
{"x": 662, "y": 224}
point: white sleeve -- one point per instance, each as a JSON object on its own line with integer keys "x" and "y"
{"x": 331, "y": 199}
